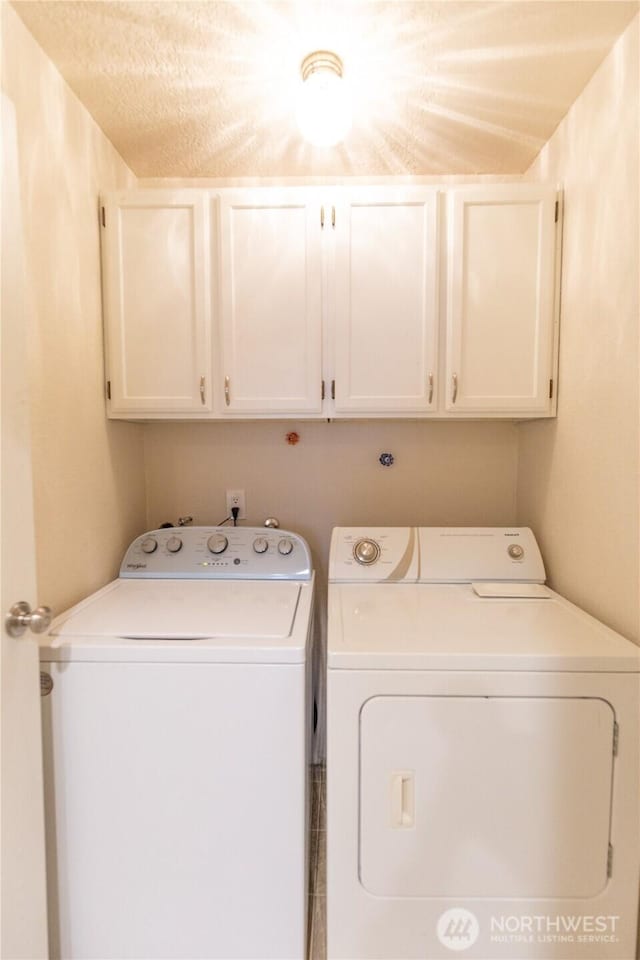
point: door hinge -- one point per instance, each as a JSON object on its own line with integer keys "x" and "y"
{"x": 322, "y": 391}
{"x": 333, "y": 217}
{"x": 333, "y": 389}
{"x": 616, "y": 737}
{"x": 108, "y": 389}
{"x": 557, "y": 213}
{"x": 322, "y": 217}
{"x": 609, "y": 861}
{"x": 550, "y": 389}
{"x": 103, "y": 217}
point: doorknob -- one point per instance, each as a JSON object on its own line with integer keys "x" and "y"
{"x": 21, "y": 616}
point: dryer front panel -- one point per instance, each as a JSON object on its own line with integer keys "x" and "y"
{"x": 471, "y": 796}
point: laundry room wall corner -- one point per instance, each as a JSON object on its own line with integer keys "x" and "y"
{"x": 88, "y": 472}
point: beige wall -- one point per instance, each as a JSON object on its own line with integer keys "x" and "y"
{"x": 444, "y": 473}
{"x": 88, "y": 473}
{"x": 578, "y": 475}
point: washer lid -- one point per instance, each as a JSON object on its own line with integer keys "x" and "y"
{"x": 449, "y": 627}
{"x": 248, "y": 621}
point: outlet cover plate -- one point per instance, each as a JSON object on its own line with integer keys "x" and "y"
{"x": 235, "y": 498}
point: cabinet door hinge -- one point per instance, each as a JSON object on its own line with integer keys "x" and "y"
{"x": 108, "y": 389}
{"x": 322, "y": 217}
{"x": 333, "y": 389}
{"x": 616, "y": 737}
{"x": 609, "y": 861}
{"x": 103, "y": 217}
{"x": 557, "y": 213}
{"x": 333, "y": 217}
{"x": 322, "y": 391}
{"x": 550, "y": 389}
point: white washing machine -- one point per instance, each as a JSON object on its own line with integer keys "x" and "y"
{"x": 483, "y": 755}
{"x": 176, "y": 715}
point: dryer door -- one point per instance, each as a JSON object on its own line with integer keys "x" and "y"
{"x": 485, "y": 796}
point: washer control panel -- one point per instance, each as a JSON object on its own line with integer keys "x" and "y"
{"x": 218, "y": 553}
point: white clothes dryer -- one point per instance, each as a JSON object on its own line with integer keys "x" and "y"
{"x": 483, "y": 755}
{"x": 176, "y": 720}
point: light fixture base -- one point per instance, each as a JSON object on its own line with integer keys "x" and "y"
{"x": 321, "y": 60}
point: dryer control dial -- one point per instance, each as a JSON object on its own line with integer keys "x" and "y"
{"x": 366, "y": 551}
{"x": 515, "y": 551}
{"x": 260, "y": 545}
{"x": 218, "y": 543}
{"x": 149, "y": 545}
{"x": 174, "y": 544}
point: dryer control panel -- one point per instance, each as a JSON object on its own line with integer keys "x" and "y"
{"x": 218, "y": 553}
{"x": 435, "y": 555}
{"x": 465, "y": 554}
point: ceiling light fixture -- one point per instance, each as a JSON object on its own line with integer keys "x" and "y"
{"x": 324, "y": 104}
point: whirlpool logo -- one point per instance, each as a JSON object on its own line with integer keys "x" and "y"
{"x": 458, "y": 929}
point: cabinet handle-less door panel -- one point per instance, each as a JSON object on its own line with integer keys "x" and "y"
{"x": 271, "y": 289}
{"x": 485, "y": 796}
{"x": 386, "y": 302}
{"x": 156, "y": 302}
{"x": 501, "y": 305}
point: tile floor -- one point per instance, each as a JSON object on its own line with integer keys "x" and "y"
{"x": 317, "y": 886}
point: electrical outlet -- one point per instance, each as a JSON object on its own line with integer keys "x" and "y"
{"x": 235, "y": 498}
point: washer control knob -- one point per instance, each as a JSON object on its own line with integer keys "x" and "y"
{"x": 366, "y": 551}
{"x": 260, "y": 545}
{"x": 149, "y": 545}
{"x": 174, "y": 544}
{"x": 217, "y": 543}
{"x": 285, "y": 546}
{"x": 515, "y": 551}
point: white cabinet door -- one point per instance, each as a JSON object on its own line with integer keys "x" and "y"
{"x": 271, "y": 302}
{"x": 156, "y": 301}
{"x": 385, "y": 327}
{"x": 500, "y": 303}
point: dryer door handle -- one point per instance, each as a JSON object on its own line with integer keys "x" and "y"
{"x": 402, "y": 799}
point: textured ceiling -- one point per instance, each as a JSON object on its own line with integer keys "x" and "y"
{"x": 207, "y": 89}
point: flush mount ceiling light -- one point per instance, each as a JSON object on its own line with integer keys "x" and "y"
{"x": 324, "y": 104}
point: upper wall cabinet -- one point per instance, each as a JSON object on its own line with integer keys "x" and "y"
{"x": 390, "y": 301}
{"x": 270, "y": 292}
{"x": 500, "y": 299}
{"x": 156, "y": 302}
{"x": 386, "y": 320}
